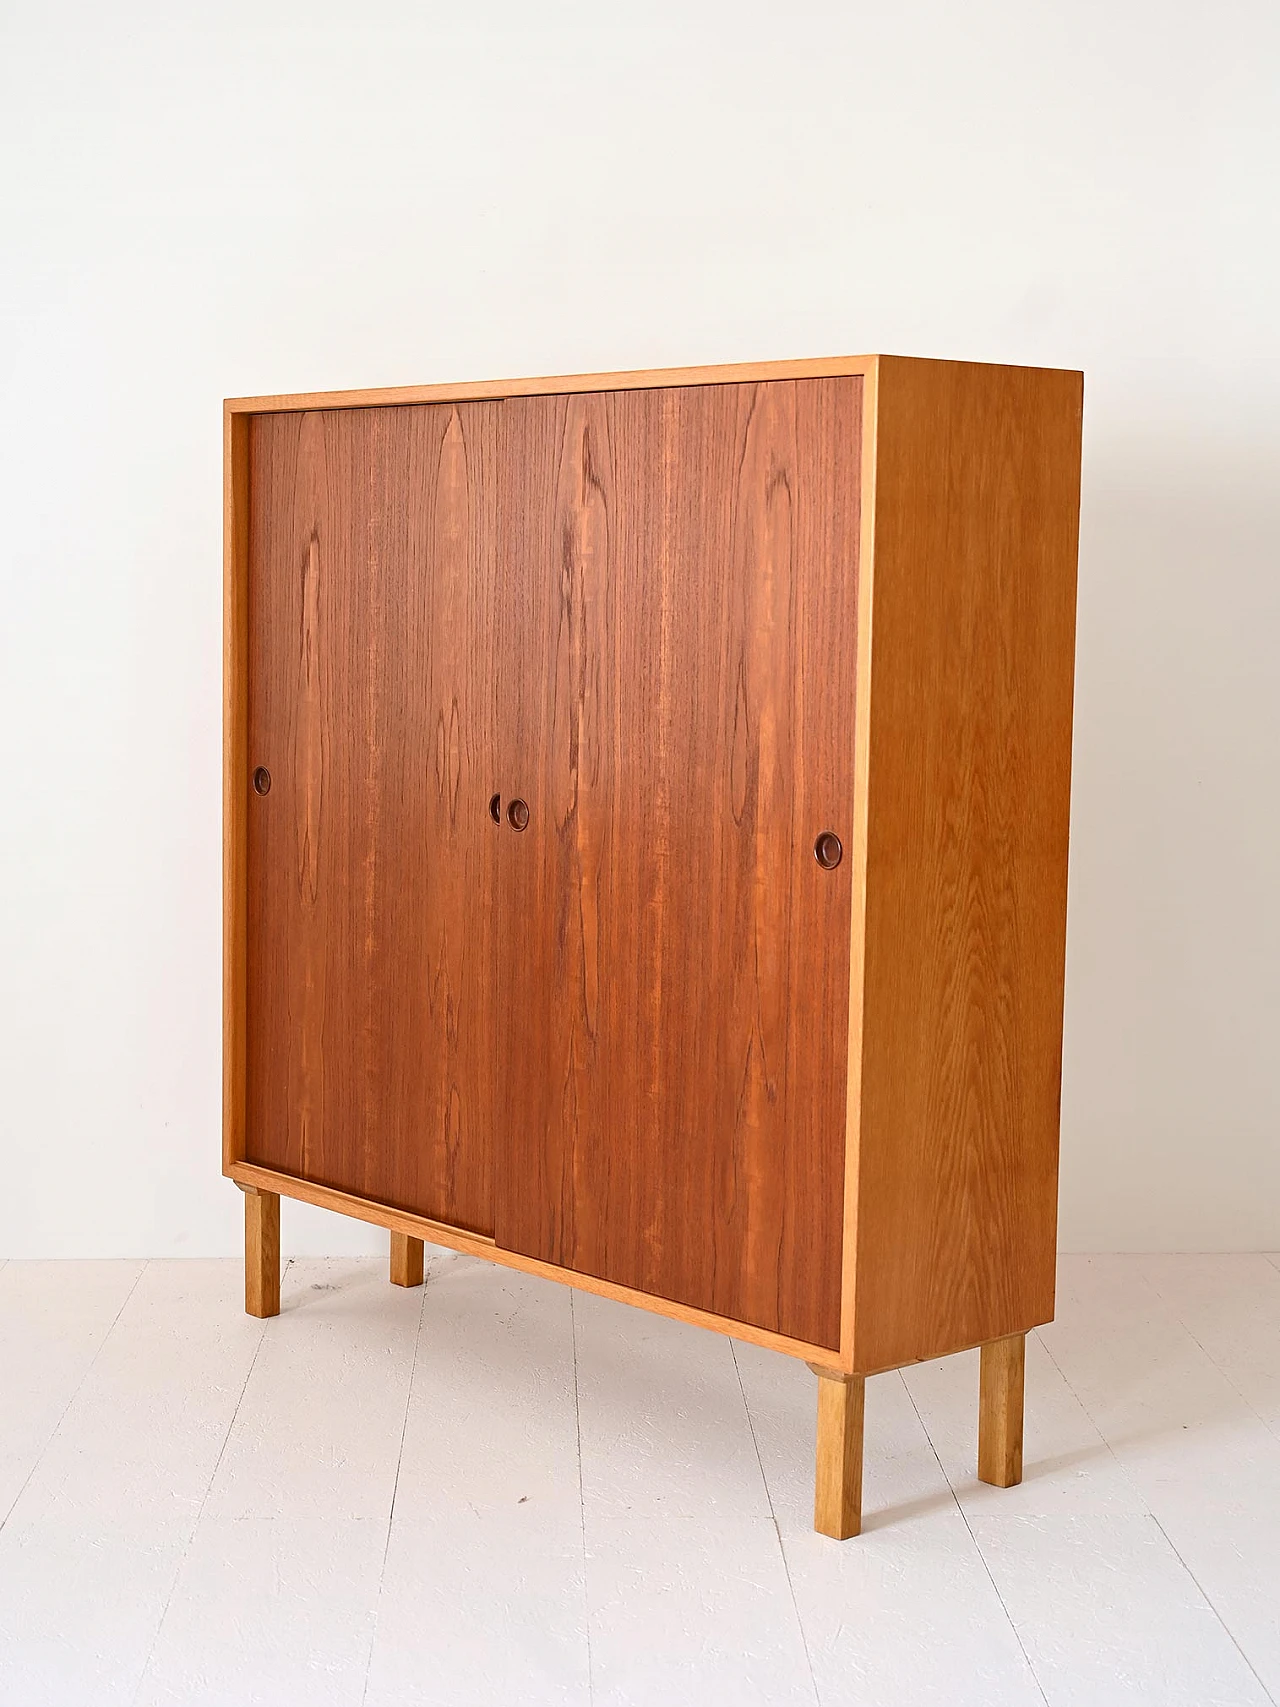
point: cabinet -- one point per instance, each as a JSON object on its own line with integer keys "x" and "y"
{"x": 646, "y": 845}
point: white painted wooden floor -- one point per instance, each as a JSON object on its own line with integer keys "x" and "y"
{"x": 493, "y": 1491}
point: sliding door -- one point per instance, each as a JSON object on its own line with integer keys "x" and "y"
{"x": 677, "y": 660}
{"x": 371, "y": 934}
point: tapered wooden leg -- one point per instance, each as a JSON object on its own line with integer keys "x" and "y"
{"x": 261, "y": 1252}
{"x": 1000, "y": 1411}
{"x": 406, "y": 1260}
{"x": 837, "y": 1484}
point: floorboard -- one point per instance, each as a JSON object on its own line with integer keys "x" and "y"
{"x": 490, "y": 1489}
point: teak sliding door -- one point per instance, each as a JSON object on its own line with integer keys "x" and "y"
{"x": 676, "y": 709}
{"x": 371, "y": 937}
{"x": 614, "y": 1038}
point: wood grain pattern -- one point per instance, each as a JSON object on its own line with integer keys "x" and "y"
{"x": 675, "y": 1011}
{"x": 1002, "y": 1366}
{"x": 837, "y": 1482}
{"x": 968, "y": 778}
{"x": 261, "y": 1252}
{"x": 956, "y": 854}
{"x": 407, "y": 1260}
{"x": 473, "y": 1244}
{"x": 370, "y": 664}
{"x": 235, "y": 775}
{"x": 858, "y": 859}
{"x": 645, "y": 379}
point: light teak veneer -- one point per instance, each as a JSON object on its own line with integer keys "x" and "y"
{"x": 646, "y": 846}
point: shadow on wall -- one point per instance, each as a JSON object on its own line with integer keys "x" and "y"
{"x": 1171, "y": 1099}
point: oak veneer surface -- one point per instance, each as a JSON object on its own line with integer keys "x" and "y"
{"x": 976, "y": 516}
{"x": 371, "y": 670}
{"x": 565, "y": 384}
{"x": 235, "y": 803}
{"x": 262, "y": 1253}
{"x": 677, "y": 708}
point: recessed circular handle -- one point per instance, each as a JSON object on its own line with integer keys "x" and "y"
{"x": 495, "y": 808}
{"x": 828, "y": 851}
{"x": 262, "y": 780}
{"x": 518, "y": 815}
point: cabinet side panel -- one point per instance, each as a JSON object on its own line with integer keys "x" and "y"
{"x": 370, "y": 858}
{"x": 972, "y": 656}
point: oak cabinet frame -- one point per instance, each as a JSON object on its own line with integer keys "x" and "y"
{"x": 968, "y": 488}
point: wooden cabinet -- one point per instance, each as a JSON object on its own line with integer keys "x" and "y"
{"x": 646, "y": 843}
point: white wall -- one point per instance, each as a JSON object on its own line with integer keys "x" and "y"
{"x": 288, "y": 199}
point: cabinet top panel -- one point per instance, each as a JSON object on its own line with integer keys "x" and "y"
{"x": 638, "y": 379}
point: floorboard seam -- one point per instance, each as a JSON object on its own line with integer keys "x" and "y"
{"x": 1097, "y": 1428}
{"x": 1146, "y": 1504}
{"x": 395, "y": 1486}
{"x": 213, "y": 1476}
{"x": 768, "y": 1494}
{"x": 1208, "y": 1600}
{"x": 1200, "y": 1345}
{"x": 977, "y": 1547}
{"x": 582, "y": 1503}
{"x": 75, "y": 1393}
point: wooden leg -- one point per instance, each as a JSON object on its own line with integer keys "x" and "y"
{"x": 261, "y": 1252}
{"x": 406, "y": 1260}
{"x": 1000, "y": 1411}
{"x": 837, "y": 1486}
